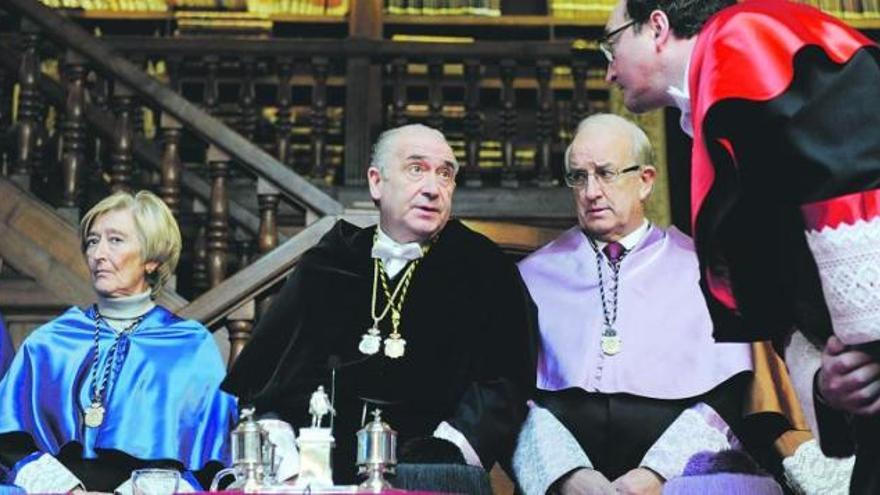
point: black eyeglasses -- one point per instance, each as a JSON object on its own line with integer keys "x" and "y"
{"x": 603, "y": 176}
{"x": 606, "y": 45}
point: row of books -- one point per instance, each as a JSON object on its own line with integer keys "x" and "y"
{"x": 118, "y": 5}
{"x": 262, "y": 8}
{"x": 443, "y": 7}
{"x": 569, "y": 9}
{"x": 848, "y": 9}
{"x": 298, "y": 7}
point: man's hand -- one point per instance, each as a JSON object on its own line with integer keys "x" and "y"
{"x": 849, "y": 379}
{"x": 639, "y": 481}
{"x": 585, "y": 481}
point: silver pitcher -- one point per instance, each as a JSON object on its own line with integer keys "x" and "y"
{"x": 376, "y": 454}
{"x": 253, "y": 457}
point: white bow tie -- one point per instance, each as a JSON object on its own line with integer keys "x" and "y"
{"x": 388, "y": 251}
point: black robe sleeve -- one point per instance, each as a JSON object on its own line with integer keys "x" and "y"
{"x": 493, "y": 406}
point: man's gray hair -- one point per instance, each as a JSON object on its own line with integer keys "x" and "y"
{"x": 641, "y": 149}
{"x": 386, "y": 145}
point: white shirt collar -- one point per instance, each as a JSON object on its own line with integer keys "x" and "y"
{"x": 630, "y": 240}
{"x": 682, "y": 98}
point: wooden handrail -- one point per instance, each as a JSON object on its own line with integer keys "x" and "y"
{"x": 212, "y": 306}
{"x": 211, "y": 129}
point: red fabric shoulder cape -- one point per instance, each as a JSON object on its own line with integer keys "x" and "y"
{"x": 746, "y": 52}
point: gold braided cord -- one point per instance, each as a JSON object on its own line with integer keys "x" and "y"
{"x": 394, "y": 303}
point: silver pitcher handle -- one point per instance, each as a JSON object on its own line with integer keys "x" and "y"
{"x": 220, "y": 475}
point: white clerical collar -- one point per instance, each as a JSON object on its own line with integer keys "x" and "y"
{"x": 393, "y": 254}
{"x": 630, "y": 240}
{"x": 682, "y": 98}
{"x": 118, "y": 312}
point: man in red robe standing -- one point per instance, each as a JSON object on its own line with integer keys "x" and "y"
{"x": 783, "y": 104}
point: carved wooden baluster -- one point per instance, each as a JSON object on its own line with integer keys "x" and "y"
{"x": 240, "y": 324}
{"x": 137, "y": 108}
{"x": 30, "y": 107}
{"x": 320, "y": 172}
{"x": 267, "y": 238}
{"x": 121, "y": 158}
{"x": 73, "y": 158}
{"x": 508, "y": 124}
{"x": 283, "y": 124}
{"x": 435, "y": 93}
{"x": 398, "y": 101}
{"x": 580, "y": 104}
{"x": 210, "y": 97}
{"x": 546, "y": 123}
{"x": 200, "y": 281}
{"x": 170, "y": 166}
{"x": 250, "y": 114}
{"x": 218, "y": 216}
{"x": 473, "y": 123}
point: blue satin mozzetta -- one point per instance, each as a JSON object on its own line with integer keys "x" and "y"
{"x": 6, "y": 349}
{"x": 162, "y": 399}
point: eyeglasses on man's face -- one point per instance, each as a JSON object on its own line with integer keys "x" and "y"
{"x": 606, "y": 44}
{"x": 604, "y": 176}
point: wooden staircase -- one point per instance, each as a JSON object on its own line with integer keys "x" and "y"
{"x": 237, "y": 193}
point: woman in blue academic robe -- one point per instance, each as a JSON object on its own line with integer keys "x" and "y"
{"x": 122, "y": 384}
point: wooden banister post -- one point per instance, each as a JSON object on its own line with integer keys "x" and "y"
{"x": 320, "y": 172}
{"x": 73, "y": 158}
{"x": 170, "y": 167}
{"x": 473, "y": 123}
{"x": 508, "y": 124}
{"x": 546, "y": 124}
{"x": 30, "y": 107}
{"x": 121, "y": 158}
{"x": 218, "y": 216}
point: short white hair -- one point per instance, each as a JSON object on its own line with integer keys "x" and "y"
{"x": 387, "y": 143}
{"x": 641, "y": 149}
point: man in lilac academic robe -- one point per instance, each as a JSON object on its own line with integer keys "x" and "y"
{"x": 630, "y": 381}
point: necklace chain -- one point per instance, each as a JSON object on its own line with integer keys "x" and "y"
{"x": 371, "y": 340}
{"x": 609, "y": 314}
{"x": 112, "y": 357}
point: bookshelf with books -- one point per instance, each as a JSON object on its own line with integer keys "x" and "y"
{"x": 469, "y": 19}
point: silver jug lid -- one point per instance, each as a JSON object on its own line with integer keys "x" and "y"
{"x": 377, "y": 425}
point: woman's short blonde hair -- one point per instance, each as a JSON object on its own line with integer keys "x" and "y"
{"x": 156, "y": 228}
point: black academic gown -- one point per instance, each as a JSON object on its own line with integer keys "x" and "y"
{"x": 470, "y": 353}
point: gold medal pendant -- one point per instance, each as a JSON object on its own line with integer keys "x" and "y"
{"x": 370, "y": 342}
{"x": 610, "y": 342}
{"x": 94, "y": 415}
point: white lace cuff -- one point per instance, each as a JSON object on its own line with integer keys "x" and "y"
{"x": 545, "y": 451}
{"x": 698, "y": 429}
{"x": 45, "y": 474}
{"x": 847, "y": 260}
{"x": 286, "y": 455}
{"x": 446, "y": 431}
{"x": 809, "y": 471}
